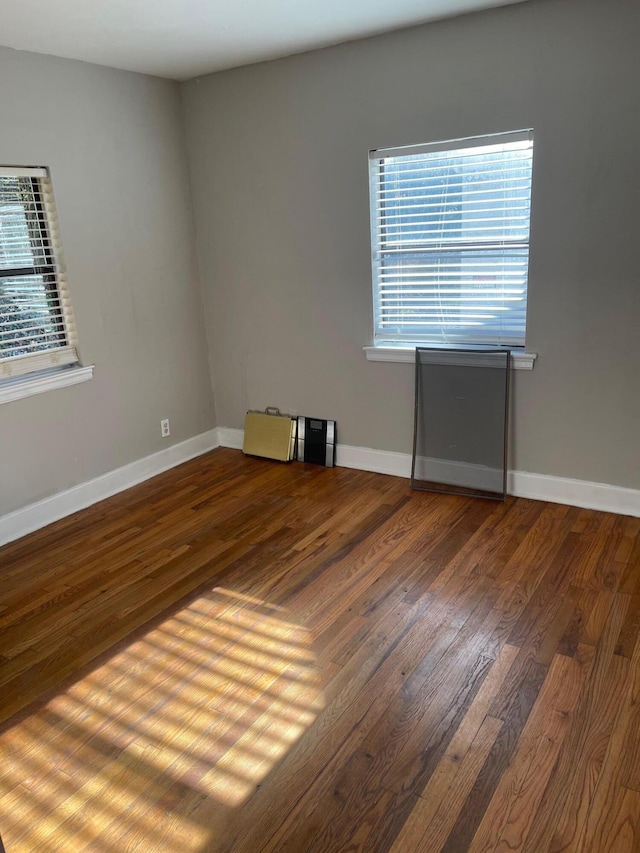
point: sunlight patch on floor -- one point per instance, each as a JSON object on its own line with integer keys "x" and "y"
{"x": 153, "y": 747}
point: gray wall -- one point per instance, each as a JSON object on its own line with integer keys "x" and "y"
{"x": 114, "y": 143}
{"x": 278, "y": 153}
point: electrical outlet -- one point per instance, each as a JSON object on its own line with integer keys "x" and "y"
{"x": 164, "y": 427}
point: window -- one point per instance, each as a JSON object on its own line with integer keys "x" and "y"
{"x": 450, "y": 241}
{"x": 37, "y": 331}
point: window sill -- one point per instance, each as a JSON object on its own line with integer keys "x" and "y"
{"x": 406, "y": 355}
{"x": 27, "y": 386}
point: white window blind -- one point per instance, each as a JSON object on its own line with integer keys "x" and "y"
{"x": 450, "y": 241}
{"x": 37, "y": 329}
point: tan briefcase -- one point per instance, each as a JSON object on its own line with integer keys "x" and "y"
{"x": 270, "y": 435}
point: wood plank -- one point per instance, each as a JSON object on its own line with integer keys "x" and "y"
{"x": 515, "y": 712}
{"x": 452, "y": 800}
{"x": 566, "y": 802}
{"x": 507, "y": 820}
{"x": 434, "y": 793}
{"x": 613, "y": 821}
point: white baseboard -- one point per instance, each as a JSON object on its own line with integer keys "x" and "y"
{"x": 230, "y": 437}
{"x": 562, "y": 490}
{"x": 599, "y": 496}
{"x": 367, "y": 459}
{"x": 37, "y": 515}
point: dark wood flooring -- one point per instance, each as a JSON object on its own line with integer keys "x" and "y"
{"x": 249, "y": 657}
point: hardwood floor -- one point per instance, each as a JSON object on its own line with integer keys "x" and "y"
{"x": 245, "y": 656}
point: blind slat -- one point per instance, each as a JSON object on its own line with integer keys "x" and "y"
{"x": 33, "y": 362}
{"x": 23, "y": 171}
{"x": 423, "y": 194}
{"x": 516, "y": 138}
{"x": 421, "y": 179}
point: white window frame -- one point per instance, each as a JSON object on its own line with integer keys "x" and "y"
{"x": 58, "y": 365}
{"x": 398, "y": 346}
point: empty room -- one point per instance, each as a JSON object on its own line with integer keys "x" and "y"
{"x": 320, "y": 426}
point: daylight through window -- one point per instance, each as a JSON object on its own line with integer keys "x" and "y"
{"x": 37, "y": 331}
{"x": 450, "y": 241}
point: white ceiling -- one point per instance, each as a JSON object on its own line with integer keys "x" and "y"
{"x": 186, "y": 38}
